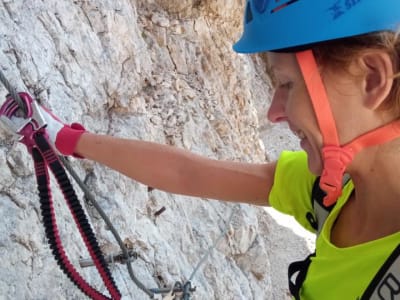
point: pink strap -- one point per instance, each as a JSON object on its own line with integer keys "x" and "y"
{"x": 336, "y": 158}
{"x": 375, "y": 137}
{"x": 319, "y": 98}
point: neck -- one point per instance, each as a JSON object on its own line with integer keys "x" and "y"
{"x": 375, "y": 173}
{"x": 372, "y": 210}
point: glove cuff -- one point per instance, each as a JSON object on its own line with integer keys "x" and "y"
{"x": 68, "y": 137}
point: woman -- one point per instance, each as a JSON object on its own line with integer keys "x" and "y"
{"x": 335, "y": 66}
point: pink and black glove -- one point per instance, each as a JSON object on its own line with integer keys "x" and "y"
{"x": 62, "y": 136}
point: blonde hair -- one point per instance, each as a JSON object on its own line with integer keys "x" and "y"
{"x": 340, "y": 53}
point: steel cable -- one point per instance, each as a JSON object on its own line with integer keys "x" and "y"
{"x": 13, "y": 93}
{"x": 90, "y": 197}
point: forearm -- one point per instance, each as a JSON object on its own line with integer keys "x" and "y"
{"x": 153, "y": 164}
{"x": 179, "y": 171}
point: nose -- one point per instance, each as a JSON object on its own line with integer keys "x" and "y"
{"x": 276, "y": 112}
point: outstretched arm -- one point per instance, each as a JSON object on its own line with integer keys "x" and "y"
{"x": 179, "y": 171}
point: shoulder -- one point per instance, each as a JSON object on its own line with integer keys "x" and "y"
{"x": 291, "y": 165}
{"x": 292, "y": 187}
{"x": 293, "y": 159}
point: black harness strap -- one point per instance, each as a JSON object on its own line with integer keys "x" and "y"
{"x": 298, "y": 270}
{"x": 44, "y": 156}
{"x": 386, "y": 283}
{"x": 297, "y": 274}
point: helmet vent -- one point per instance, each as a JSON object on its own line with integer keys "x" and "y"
{"x": 283, "y": 5}
{"x": 249, "y": 13}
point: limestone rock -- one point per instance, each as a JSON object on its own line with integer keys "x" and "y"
{"x": 158, "y": 70}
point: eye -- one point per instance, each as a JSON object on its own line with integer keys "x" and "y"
{"x": 286, "y": 85}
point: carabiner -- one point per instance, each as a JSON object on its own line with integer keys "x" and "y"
{"x": 22, "y": 128}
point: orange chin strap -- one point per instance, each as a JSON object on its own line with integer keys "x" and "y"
{"x": 336, "y": 158}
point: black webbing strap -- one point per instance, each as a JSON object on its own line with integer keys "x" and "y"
{"x": 44, "y": 157}
{"x": 386, "y": 283}
{"x": 297, "y": 272}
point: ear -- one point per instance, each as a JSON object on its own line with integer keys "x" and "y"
{"x": 377, "y": 78}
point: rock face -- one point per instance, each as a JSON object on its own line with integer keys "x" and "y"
{"x": 157, "y": 70}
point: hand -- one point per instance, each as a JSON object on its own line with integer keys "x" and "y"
{"x": 62, "y": 136}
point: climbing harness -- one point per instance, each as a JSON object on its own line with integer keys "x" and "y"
{"x": 385, "y": 284}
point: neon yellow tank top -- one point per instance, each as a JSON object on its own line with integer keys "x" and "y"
{"x": 335, "y": 273}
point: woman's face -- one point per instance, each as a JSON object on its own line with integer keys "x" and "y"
{"x": 357, "y": 95}
{"x": 291, "y": 104}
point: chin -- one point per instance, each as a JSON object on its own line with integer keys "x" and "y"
{"x": 314, "y": 158}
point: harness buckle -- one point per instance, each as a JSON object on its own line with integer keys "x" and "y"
{"x": 18, "y": 126}
{"x": 336, "y": 159}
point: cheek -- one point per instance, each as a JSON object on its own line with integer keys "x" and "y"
{"x": 346, "y": 101}
{"x": 301, "y": 113}
{"x": 299, "y": 105}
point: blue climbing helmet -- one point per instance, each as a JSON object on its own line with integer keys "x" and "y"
{"x": 284, "y": 25}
